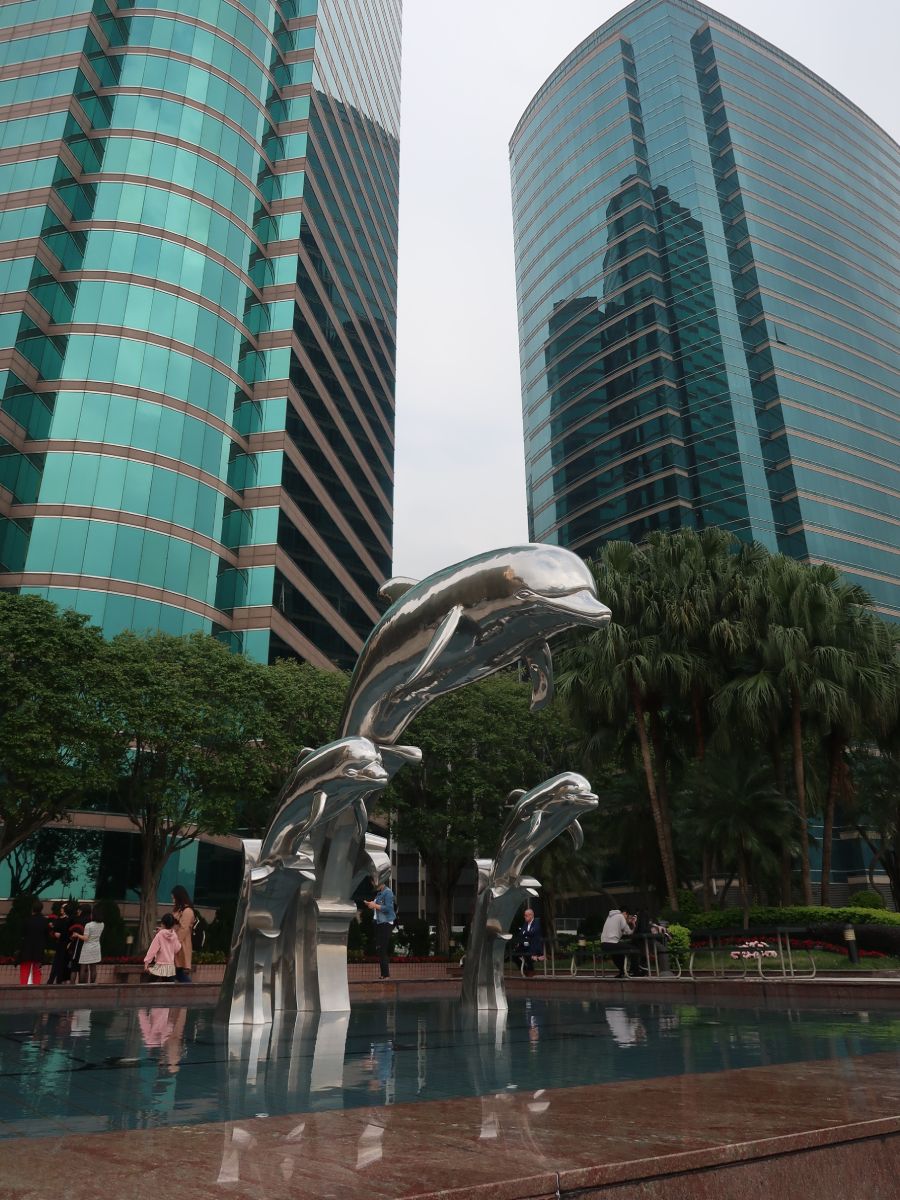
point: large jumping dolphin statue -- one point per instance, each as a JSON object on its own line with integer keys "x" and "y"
{"x": 297, "y": 885}
{"x": 462, "y": 624}
{"x": 537, "y": 819}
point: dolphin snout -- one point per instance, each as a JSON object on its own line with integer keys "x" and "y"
{"x": 582, "y": 605}
{"x": 373, "y": 771}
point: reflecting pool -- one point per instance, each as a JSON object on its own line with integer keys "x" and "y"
{"x": 95, "y": 1071}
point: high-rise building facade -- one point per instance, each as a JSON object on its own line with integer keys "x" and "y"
{"x": 198, "y": 250}
{"x": 708, "y": 273}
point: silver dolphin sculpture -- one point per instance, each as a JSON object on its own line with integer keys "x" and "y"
{"x": 538, "y": 818}
{"x": 289, "y": 924}
{"x": 462, "y": 624}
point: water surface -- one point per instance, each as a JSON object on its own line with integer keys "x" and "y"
{"x": 96, "y": 1071}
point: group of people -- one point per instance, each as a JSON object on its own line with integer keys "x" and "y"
{"x": 626, "y": 937}
{"x": 74, "y": 934}
{"x": 170, "y": 955}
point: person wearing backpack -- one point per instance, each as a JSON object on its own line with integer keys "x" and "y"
{"x": 185, "y": 919}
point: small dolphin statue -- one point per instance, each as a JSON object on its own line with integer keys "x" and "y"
{"x": 538, "y": 818}
{"x": 462, "y": 624}
{"x": 275, "y": 936}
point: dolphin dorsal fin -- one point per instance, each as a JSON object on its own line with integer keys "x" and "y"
{"x": 393, "y": 589}
{"x": 442, "y": 636}
{"x": 576, "y": 833}
{"x": 514, "y": 797}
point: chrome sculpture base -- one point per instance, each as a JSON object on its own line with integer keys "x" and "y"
{"x": 289, "y": 946}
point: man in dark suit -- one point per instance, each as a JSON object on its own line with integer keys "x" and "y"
{"x": 529, "y": 942}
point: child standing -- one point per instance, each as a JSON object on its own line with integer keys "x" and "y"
{"x": 90, "y": 946}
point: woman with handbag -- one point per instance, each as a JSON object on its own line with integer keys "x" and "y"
{"x": 183, "y": 912}
{"x": 159, "y": 961}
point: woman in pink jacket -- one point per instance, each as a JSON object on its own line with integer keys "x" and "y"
{"x": 160, "y": 958}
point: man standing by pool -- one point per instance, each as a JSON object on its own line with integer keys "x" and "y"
{"x": 385, "y": 915}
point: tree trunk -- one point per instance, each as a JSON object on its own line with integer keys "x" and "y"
{"x": 835, "y": 752}
{"x": 443, "y": 918}
{"x": 800, "y": 786}
{"x": 548, "y": 918}
{"x": 697, "y": 714}
{"x": 662, "y": 839}
{"x": 744, "y": 885}
{"x": 707, "y": 880}
{"x": 154, "y": 856}
{"x": 443, "y": 874}
{"x": 662, "y": 790}
{"x": 781, "y": 785}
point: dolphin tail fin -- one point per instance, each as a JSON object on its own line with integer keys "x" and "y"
{"x": 392, "y": 589}
{"x": 442, "y": 636}
{"x": 576, "y": 833}
{"x": 540, "y": 672}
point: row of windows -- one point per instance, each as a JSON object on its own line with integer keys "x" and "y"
{"x": 115, "y": 614}
{"x": 129, "y": 421}
{"x": 170, "y": 262}
{"x": 575, "y": 148}
{"x": 43, "y": 45}
{"x": 804, "y": 95}
{"x": 30, "y": 173}
{"x": 194, "y": 82}
{"x": 819, "y": 241}
{"x": 135, "y": 307}
{"x": 127, "y": 485}
{"x": 71, "y": 546}
{"x": 47, "y": 127}
{"x": 174, "y": 32}
{"x": 157, "y": 208}
{"x": 135, "y": 364}
{"x": 128, "y": 155}
{"x": 191, "y": 125}
{"x": 21, "y": 89}
{"x": 563, "y": 114}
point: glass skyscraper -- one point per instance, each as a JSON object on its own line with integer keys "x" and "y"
{"x": 198, "y": 249}
{"x": 708, "y": 273}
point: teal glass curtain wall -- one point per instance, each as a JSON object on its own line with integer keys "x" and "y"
{"x": 198, "y": 284}
{"x": 707, "y": 266}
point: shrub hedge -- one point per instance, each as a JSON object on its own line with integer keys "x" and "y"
{"x": 796, "y": 914}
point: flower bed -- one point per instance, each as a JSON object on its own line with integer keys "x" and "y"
{"x": 754, "y": 949}
{"x": 700, "y": 944}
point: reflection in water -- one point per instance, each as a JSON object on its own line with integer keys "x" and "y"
{"x": 625, "y": 1027}
{"x": 150, "y": 1068}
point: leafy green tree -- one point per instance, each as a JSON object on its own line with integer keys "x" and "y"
{"x": 53, "y": 857}
{"x": 478, "y": 744}
{"x": 297, "y": 705}
{"x": 55, "y": 745}
{"x": 189, "y": 724}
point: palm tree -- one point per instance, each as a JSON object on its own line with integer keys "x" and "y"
{"x": 863, "y": 677}
{"x": 627, "y": 671}
{"x": 735, "y": 813}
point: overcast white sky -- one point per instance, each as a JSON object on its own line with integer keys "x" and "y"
{"x": 469, "y": 69}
